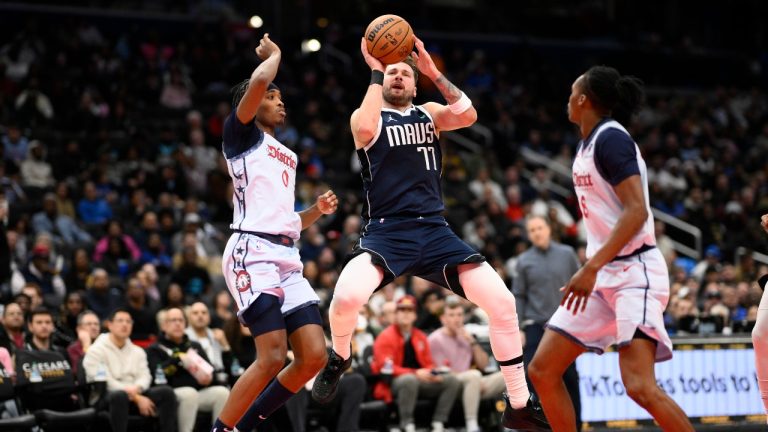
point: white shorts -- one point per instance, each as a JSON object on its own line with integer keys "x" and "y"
{"x": 629, "y": 294}
{"x": 253, "y": 266}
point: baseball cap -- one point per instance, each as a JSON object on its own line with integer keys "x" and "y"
{"x": 713, "y": 251}
{"x": 41, "y": 251}
{"x": 407, "y": 302}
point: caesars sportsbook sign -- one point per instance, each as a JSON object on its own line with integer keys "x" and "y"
{"x": 716, "y": 384}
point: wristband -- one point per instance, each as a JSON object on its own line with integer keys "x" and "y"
{"x": 461, "y": 105}
{"x": 377, "y": 77}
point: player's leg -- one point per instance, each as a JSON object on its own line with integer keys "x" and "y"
{"x": 636, "y": 361}
{"x": 271, "y": 345}
{"x": 555, "y": 354}
{"x": 357, "y": 281}
{"x": 305, "y": 334}
{"x": 760, "y": 344}
{"x": 483, "y": 287}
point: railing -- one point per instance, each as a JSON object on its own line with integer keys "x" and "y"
{"x": 757, "y": 256}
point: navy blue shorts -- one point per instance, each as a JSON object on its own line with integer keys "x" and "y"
{"x": 421, "y": 246}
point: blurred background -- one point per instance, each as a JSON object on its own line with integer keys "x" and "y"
{"x": 111, "y": 115}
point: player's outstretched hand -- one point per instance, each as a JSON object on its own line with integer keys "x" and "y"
{"x": 327, "y": 203}
{"x": 424, "y": 61}
{"x": 372, "y": 61}
{"x": 266, "y": 47}
{"x": 764, "y": 222}
{"x": 578, "y": 290}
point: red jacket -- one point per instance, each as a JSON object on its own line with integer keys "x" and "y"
{"x": 391, "y": 344}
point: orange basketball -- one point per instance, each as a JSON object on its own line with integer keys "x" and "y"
{"x": 389, "y": 38}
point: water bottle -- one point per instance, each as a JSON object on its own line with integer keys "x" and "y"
{"x": 160, "y": 378}
{"x": 34, "y": 375}
{"x": 387, "y": 369}
{"x": 236, "y": 369}
{"x": 101, "y": 373}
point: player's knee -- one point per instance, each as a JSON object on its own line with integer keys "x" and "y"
{"x": 640, "y": 391}
{"x": 759, "y": 334}
{"x": 537, "y": 373}
{"x": 344, "y": 302}
{"x": 271, "y": 361}
{"x": 312, "y": 360}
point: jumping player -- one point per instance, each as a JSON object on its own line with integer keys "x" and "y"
{"x": 261, "y": 265}
{"x": 403, "y": 230}
{"x": 619, "y": 295}
{"x": 760, "y": 335}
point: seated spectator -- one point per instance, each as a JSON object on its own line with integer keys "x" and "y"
{"x": 63, "y": 228}
{"x": 155, "y": 253}
{"x": 454, "y": 347}
{"x": 213, "y": 341}
{"x": 13, "y": 332}
{"x": 414, "y": 374}
{"x": 70, "y": 310}
{"x": 41, "y": 327}
{"x": 100, "y": 297}
{"x": 193, "y": 279}
{"x": 174, "y": 296}
{"x": 88, "y": 329}
{"x": 114, "y": 230}
{"x": 194, "y": 389}
{"x": 39, "y": 271}
{"x": 149, "y": 278}
{"x": 128, "y": 377}
{"x": 15, "y": 144}
{"x": 76, "y": 276}
{"x": 36, "y": 172}
{"x": 432, "y": 302}
{"x": 222, "y": 309}
{"x": 143, "y": 311}
{"x": 92, "y": 209}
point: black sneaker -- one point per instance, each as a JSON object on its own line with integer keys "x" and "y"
{"x": 529, "y": 418}
{"x": 324, "y": 388}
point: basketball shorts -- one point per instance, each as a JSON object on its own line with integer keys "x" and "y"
{"x": 253, "y": 266}
{"x": 419, "y": 246}
{"x": 630, "y": 294}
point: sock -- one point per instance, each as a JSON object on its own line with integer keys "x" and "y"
{"x": 274, "y": 396}
{"x": 514, "y": 377}
{"x": 219, "y": 426}
{"x": 472, "y": 425}
{"x": 760, "y": 344}
{"x": 484, "y": 287}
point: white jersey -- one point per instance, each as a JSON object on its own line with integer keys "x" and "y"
{"x": 599, "y": 203}
{"x": 264, "y": 181}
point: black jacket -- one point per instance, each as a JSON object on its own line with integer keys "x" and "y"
{"x": 166, "y": 353}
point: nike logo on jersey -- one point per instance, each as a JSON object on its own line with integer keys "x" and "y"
{"x": 261, "y": 417}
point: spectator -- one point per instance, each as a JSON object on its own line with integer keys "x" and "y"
{"x": 36, "y": 173}
{"x": 63, "y": 228}
{"x": 88, "y": 329}
{"x": 69, "y": 312}
{"x": 453, "y": 347}
{"x": 13, "y": 332}
{"x": 407, "y": 350}
{"x": 115, "y": 230}
{"x": 194, "y": 390}
{"x": 40, "y": 272}
{"x": 222, "y": 309}
{"x": 92, "y": 209}
{"x": 41, "y": 327}
{"x": 193, "y": 279}
{"x": 128, "y": 376}
{"x": 15, "y": 144}
{"x": 213, "y": 341}
{"x": 99, "y": 297}
{"x": 77, "y": 275}
{"x": 143, "y": 312}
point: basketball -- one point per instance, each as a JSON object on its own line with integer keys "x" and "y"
{"x": 389, "y": 38}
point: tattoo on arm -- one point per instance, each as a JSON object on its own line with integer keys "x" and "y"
{"x": 450, "y": 92}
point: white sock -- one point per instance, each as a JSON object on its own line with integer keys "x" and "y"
{"x": 472, "y": 425}
{"x": 760, "y": 344}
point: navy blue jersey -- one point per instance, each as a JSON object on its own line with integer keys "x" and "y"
{"x": 401, "y": 166}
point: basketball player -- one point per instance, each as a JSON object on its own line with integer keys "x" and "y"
{"x": 619, "y": 295}
{"x": 403, "y": 230}
{"x": 760, "y": 336}
{"x": 261, "y": 264}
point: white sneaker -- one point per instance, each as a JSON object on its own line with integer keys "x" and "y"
{"x": 437, "y": 427}
{"x": 410, "y": 427}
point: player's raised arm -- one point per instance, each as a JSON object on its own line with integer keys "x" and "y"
{"x": 459, "y": 112}
{"x": 365, "y": 120}
{"x": 264, "y": 74}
